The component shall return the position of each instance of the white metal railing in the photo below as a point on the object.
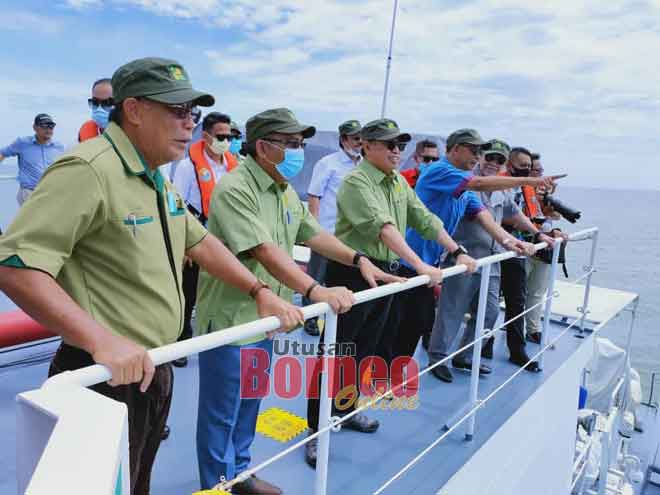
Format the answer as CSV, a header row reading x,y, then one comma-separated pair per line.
x,y
97,373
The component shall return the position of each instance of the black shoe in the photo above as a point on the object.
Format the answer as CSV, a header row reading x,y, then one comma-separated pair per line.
x,y
534,338
255,486
361,423
522,359
166,433
487,349
312,327
181,362
425,341
310,452
442,373
460,364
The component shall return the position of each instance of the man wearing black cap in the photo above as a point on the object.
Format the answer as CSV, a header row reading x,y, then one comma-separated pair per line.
x,y
35,154
259,217
102,267
329,172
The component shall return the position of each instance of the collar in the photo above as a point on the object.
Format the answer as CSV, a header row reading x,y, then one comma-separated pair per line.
x,y
263,180
373,172
211,160
35,141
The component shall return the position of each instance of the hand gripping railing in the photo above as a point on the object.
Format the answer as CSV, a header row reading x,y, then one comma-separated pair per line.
x,y
97,373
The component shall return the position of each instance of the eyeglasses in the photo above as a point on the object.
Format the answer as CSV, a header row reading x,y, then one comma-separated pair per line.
x,y
494,157
108,103
293,144
47,126
223,137
391,145
429,159
474,149
183,111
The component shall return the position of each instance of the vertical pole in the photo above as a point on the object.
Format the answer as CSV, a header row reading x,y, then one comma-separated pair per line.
x,y
476,350
587,288
548,302
388,65
323,451
626,375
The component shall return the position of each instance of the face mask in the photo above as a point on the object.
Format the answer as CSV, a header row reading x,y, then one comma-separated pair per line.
x,y
519,172
219,147
100,115
292,164
235,146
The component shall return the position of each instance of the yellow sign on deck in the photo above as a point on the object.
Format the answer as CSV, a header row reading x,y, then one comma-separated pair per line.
x,y
280,425
213,491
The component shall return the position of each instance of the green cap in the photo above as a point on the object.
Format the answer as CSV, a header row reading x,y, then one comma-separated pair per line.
x,y
158,79
279,120
498,147
383,130
465,136
349,128
234,127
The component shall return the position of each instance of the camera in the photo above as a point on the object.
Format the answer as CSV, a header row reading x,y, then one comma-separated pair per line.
x,y
565,211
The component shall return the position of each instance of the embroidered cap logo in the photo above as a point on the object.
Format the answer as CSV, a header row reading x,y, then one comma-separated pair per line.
x,y
177,73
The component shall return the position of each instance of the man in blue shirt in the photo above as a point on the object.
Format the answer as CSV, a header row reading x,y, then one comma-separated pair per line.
x,y
446,188
35,154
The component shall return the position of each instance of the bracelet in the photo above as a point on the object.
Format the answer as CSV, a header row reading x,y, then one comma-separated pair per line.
x,y
309,290
258,285
356,258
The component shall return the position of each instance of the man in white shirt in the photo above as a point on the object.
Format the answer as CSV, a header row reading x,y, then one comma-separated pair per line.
x,y
194,178
329,172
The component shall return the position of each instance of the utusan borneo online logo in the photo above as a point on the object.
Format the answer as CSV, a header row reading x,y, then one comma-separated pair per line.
x,y
297,371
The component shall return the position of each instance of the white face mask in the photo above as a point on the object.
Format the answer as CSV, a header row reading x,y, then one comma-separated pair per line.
x,y
219,147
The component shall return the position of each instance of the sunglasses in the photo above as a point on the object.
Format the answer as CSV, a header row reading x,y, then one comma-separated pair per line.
x,y
46,126
391,145
196,115
429,159
223,137
183,111
291,145
474,149
108,103
494,157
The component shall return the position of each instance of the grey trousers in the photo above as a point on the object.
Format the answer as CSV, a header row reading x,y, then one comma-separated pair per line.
x,y
460,295
316,269
537,285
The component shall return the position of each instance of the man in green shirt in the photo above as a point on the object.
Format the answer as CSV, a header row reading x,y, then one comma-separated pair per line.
x,y
375,205
101,267
259,216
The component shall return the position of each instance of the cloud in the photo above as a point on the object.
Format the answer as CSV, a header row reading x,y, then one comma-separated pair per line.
x,y
29,22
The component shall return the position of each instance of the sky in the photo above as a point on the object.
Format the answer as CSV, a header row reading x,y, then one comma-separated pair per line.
x,y
575,81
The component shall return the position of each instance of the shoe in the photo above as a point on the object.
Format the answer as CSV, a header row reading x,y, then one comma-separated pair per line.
x,y
255,486
487,349
166,433
311,448
442,373
425,341
181,362
522,359
361,423
467,365
534,338
311,327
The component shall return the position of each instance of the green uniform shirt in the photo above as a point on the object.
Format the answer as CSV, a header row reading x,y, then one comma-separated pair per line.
x,y
96,224
248,209
368,199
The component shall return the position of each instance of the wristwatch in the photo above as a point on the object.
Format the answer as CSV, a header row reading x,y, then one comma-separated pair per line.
x,y
258,285
461,250
356,258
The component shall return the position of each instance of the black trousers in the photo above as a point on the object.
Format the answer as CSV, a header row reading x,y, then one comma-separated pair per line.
x,y
365,325
416,310
147,412
189,283
514,288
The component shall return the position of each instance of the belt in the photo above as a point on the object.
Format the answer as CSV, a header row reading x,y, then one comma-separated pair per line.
x,y
388,266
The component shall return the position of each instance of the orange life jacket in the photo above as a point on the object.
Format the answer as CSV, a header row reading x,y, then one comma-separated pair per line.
x,y
204,173
532,207
88,130
411,175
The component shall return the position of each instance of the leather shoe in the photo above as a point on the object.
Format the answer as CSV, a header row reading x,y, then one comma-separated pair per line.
x,y
460,364
534,338
311,327
522,359
361,423
181,362
255,486
442,373
311,448
487,349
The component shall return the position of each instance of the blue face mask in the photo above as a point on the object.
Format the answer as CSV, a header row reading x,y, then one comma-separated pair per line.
x,y
292,164
235,146
100,115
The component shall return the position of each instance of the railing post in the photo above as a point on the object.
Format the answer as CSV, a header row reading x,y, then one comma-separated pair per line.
x,y
476,350
325,410
587,288
626,376
549,296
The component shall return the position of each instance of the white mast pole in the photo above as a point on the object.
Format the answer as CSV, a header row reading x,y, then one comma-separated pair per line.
x,y
389,61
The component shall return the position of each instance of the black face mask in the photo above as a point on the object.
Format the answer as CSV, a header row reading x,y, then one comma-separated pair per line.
x,y
519,172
